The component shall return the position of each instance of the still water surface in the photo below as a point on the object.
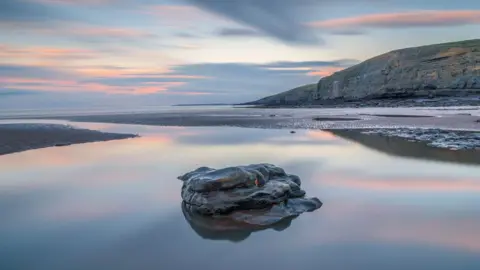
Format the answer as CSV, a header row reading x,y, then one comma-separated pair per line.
x,y
117,205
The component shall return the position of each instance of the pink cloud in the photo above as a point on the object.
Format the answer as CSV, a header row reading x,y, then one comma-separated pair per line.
x,y
43,55
38,84
402,20
97,31
324,72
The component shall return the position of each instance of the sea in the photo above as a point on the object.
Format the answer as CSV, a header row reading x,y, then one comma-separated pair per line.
x,y
387,204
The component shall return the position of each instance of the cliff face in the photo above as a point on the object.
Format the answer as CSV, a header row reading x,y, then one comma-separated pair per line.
x,y
442,69
299,95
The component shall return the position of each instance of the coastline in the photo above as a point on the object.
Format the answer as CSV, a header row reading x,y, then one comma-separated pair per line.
x,y
22,137
407,102
454,128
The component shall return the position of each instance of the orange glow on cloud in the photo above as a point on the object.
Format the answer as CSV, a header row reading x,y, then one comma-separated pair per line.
x,y
110,32
44,56
406,19
324,72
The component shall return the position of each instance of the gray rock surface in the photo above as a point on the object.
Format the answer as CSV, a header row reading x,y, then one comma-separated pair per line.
x,y
237,191
448,69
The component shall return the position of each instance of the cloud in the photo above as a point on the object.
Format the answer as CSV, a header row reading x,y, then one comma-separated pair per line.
x,y
8,92
278,19
286,64
186,35
44,53
204,82
425,18
77,2
25,71
182,15
24,10
324,72
347,32
238,32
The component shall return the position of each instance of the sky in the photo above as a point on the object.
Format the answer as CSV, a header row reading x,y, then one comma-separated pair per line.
x,y
81,53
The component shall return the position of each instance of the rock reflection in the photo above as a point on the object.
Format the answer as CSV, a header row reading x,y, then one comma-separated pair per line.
x,y
227,228
403,148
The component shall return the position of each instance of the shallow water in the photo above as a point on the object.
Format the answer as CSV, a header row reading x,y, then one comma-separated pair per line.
x,y
117,205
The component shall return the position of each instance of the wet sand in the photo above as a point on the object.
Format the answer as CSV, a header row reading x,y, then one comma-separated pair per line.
x,y
294,119
453,119
22,137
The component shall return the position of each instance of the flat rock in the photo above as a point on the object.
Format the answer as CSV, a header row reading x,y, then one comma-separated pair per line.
x,y
258,194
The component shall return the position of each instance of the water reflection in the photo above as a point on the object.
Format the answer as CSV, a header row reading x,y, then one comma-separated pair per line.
x,y
116,205
403,148
225,228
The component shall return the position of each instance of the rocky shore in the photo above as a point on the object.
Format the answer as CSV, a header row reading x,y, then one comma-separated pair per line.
x,y
471,99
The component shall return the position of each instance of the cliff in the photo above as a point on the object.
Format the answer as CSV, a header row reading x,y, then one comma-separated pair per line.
x,y
441,69
299,95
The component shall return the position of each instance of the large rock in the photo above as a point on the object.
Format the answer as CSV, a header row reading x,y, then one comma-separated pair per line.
x,y
231,191
447,69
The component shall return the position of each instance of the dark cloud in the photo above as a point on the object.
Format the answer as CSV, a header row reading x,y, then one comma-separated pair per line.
x,y
13,10
24,10
238,32
347,32
278,19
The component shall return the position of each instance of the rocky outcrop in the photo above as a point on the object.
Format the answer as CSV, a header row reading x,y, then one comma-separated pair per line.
x,y
448,69
228,192
299,95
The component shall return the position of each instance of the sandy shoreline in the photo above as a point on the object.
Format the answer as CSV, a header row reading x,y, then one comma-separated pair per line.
x,y
459,121
22,137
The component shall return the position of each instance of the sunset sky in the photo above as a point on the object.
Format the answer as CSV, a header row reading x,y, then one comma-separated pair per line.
x,y
61,53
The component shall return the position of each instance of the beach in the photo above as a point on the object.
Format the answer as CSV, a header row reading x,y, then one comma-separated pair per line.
x,y
462,123
22,137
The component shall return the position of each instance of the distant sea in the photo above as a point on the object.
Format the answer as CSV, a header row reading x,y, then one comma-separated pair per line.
x,y
5,113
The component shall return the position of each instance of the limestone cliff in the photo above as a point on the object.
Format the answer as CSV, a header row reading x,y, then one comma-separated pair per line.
x,y
302,94
441,69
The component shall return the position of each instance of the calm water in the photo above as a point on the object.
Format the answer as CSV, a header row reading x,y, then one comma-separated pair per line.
x,y
117,205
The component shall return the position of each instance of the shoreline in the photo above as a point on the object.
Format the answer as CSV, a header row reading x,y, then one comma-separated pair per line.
x,y
446,128
15,138
406,102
